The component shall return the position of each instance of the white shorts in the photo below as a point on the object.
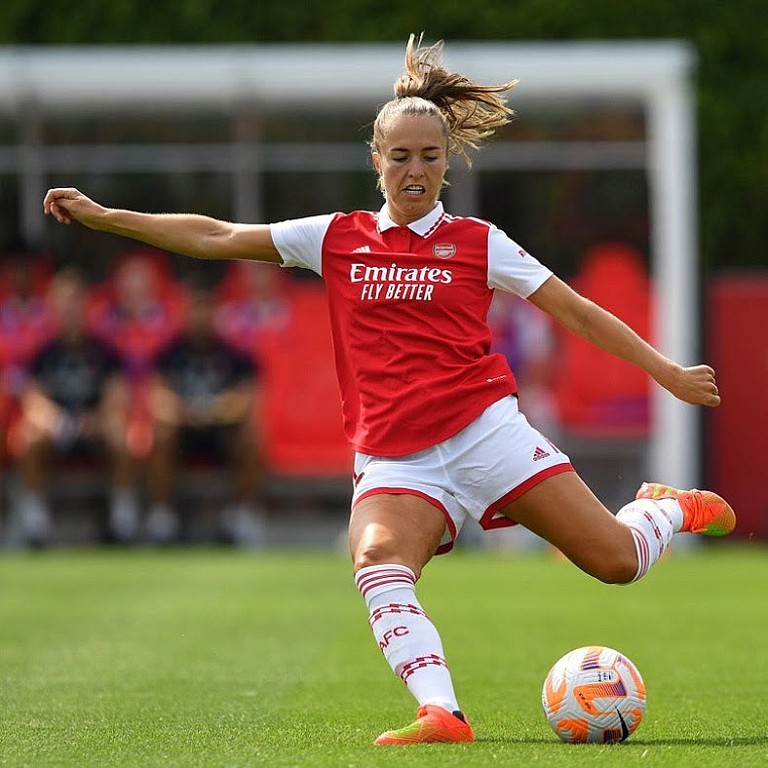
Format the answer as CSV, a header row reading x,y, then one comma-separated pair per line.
x,y
477,472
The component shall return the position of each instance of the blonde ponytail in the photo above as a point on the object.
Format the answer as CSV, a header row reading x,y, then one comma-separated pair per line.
x,y
470,113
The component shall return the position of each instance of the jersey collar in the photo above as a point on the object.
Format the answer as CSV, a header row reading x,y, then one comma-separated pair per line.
x,y
422,227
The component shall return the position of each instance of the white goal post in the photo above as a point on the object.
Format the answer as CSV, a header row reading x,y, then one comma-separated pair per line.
x,y
37,81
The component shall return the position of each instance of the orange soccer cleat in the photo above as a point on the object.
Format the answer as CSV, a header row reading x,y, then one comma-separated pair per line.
x,y
432,724
703,511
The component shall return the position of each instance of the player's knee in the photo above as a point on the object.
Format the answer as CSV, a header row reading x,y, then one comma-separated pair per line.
x,y
618,568
34,440
377,553
384,553
164,436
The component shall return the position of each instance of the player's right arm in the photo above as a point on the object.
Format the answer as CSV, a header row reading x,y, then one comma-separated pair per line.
x,y
190,234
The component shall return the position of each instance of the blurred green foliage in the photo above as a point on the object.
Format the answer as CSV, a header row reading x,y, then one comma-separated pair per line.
x,y
731,39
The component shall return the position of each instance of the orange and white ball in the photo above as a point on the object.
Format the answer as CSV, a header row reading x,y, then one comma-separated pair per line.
x,y
594,694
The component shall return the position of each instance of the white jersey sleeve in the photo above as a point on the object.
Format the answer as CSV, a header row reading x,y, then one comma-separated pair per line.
x,y
300,241
511,268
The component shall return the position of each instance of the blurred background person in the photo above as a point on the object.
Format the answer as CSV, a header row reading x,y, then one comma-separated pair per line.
x,y
138,312
252,308
203,402
527,338
25,326
73,404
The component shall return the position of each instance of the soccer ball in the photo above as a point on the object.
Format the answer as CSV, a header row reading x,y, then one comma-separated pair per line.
x,y
593,694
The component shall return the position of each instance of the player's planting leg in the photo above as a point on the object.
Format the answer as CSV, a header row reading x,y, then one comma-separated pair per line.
x,y
659,511
412,646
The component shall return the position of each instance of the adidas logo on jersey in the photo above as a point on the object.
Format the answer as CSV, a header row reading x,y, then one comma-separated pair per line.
x,y
362,249
539,454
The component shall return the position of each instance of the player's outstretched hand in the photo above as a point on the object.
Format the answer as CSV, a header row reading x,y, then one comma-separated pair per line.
x,y
67,204
695,385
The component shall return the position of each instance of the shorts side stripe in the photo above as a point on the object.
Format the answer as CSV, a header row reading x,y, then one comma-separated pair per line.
x,y
415,492
487,521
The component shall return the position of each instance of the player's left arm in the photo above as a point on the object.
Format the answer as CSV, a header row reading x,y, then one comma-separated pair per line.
x,y
695,384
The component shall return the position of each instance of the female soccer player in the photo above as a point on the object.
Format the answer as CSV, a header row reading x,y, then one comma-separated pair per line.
x,y
431,414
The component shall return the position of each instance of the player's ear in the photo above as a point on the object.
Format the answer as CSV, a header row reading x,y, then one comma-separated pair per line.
x,y
376,160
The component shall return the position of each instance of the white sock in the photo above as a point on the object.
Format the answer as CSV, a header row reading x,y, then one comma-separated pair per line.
x,y
162,524
405,634
652,524
124,512
33,518
246,525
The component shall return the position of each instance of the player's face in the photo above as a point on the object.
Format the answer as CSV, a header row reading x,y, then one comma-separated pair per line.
x,y
411,162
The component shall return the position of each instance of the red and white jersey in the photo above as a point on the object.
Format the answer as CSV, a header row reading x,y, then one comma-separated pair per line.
x,y
408,308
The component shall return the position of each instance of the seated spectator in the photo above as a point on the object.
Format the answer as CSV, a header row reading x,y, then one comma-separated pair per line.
x,y
203,401
25,326
138,312
525,336
74,403
251,307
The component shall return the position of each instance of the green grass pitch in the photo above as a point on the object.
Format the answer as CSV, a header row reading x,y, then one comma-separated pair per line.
x,y
215,658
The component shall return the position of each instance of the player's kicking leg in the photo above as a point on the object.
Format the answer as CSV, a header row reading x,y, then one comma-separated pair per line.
x,y
702,511
621,548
